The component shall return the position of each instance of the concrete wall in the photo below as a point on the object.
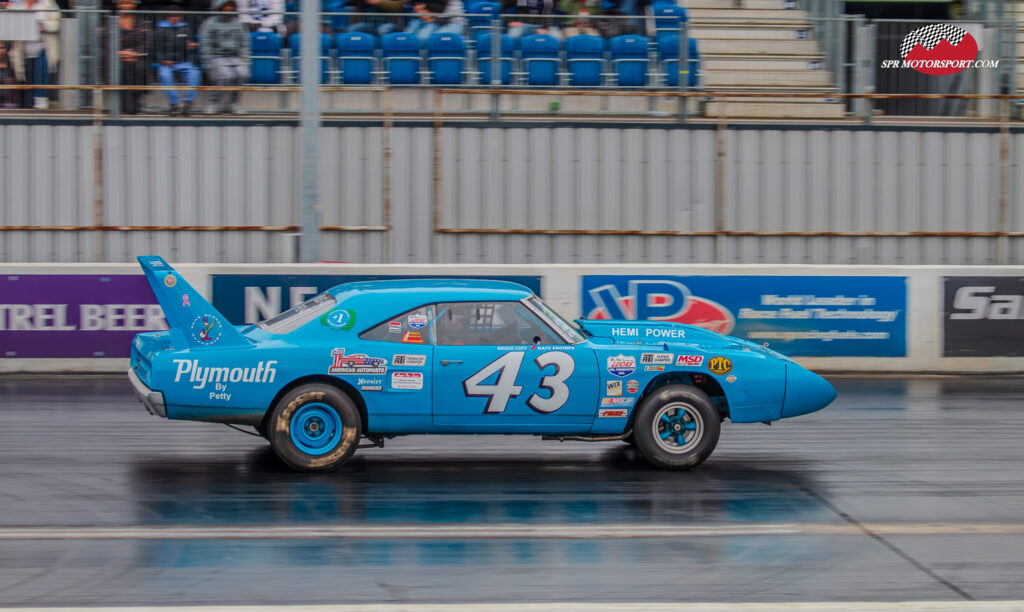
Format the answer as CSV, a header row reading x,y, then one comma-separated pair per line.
x,y
561,287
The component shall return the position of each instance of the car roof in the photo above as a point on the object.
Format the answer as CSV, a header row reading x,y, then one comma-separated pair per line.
x,y
396,296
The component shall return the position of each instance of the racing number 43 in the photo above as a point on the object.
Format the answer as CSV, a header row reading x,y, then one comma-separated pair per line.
x,y
505,387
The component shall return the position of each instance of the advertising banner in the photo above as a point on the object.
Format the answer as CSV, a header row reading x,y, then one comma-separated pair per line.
x,y
808,316
984,316
248,298
74,315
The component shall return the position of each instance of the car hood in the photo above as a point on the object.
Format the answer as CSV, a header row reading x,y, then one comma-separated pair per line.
x,y
666,332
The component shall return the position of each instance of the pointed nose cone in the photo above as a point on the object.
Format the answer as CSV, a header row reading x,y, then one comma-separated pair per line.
x,y
805,392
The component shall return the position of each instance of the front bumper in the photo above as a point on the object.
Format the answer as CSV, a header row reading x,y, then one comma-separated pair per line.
x,y
152,400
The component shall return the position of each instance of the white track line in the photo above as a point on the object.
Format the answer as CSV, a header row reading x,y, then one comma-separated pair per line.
x,y
916,606
471,531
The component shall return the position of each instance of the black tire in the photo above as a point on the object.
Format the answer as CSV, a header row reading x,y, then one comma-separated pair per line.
x,y
630,440
332,428
685,409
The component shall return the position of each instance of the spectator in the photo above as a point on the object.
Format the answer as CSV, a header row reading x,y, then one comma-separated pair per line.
x,y
427,24
175,54
377,25
263,15
134,53
8,99
581,24
224,47
32,59
541,24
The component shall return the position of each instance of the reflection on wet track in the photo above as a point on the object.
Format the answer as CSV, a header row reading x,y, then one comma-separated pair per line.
x,y
905,489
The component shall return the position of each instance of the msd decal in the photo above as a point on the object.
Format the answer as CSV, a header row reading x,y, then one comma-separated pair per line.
x,y
653,300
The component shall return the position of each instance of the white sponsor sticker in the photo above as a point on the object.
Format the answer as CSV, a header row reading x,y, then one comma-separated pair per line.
x,y
617,401
690,360
407,380
605,413
409,360
613,387
656,358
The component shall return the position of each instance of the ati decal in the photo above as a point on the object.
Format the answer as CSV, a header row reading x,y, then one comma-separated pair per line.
x,y
417,321
394,327
616,401
407,380
632,386
199,376
613,387
409,360
356,364
341,319
654,368
621,365
656,300
412,337
720,365
690,360
605,413
170,280
206,329
656,358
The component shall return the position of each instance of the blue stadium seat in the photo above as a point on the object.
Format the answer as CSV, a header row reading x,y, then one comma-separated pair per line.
x,y
266,58
446,57
486,12
401,53
506,53
539,54
667,19
356,57
294,43
668,52
584,56
629,59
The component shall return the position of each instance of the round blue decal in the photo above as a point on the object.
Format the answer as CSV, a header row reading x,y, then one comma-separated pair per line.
x,y
206,329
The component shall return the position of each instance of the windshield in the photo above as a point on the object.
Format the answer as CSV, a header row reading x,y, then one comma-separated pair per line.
x,y
290,320
568,329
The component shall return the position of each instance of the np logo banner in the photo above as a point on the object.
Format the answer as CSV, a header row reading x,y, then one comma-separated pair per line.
x,y
808,316
249,298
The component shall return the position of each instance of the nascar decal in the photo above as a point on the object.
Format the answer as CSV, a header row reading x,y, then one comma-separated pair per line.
x,y
617,401
720,365
605,413
341,319
409,360
690,360
356,364
407,380
219,377
656,358
613,387
206,329
621,365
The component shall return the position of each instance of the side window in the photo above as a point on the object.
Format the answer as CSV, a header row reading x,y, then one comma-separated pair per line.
x,y
485,323
412,327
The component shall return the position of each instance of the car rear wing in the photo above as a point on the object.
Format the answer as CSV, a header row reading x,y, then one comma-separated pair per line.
x,y
186,310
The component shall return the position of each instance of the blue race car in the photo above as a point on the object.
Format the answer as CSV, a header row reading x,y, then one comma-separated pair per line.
x,y
387,358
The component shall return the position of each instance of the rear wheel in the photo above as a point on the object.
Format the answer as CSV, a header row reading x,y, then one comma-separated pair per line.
x,y
677,427
315,428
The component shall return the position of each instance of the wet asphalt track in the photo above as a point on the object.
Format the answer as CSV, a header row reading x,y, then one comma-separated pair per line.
x,y
905,489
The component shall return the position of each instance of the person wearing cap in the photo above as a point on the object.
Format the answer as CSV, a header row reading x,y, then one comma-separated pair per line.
x,y
175,49
224,50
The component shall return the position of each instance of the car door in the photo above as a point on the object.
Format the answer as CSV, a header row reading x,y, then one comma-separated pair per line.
x,y
498,367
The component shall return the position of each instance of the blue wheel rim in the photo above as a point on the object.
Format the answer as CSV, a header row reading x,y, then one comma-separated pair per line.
x,y
315,429
678,427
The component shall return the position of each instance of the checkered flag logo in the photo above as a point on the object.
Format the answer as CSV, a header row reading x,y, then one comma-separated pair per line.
x,y
931,35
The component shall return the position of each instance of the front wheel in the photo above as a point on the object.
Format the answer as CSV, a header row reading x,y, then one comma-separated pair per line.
x,y
677,427
315,428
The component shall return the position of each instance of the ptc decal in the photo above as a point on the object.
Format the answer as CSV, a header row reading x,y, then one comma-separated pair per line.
x,y
206,329
621,365
720,365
